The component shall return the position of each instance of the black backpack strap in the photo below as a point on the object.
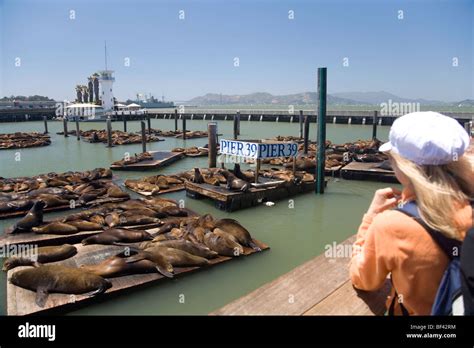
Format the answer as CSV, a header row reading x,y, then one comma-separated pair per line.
x,y
467,271
391,309
448,245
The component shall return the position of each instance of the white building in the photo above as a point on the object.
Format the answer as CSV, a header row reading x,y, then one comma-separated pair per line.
x,y
106,83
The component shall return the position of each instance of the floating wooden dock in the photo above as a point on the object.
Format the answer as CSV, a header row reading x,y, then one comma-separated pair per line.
x,y
42,239
320,286
269,190
18,213
367,171
161,192
22,301
160,159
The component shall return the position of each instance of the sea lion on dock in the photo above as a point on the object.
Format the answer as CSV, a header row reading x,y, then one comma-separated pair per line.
x,y
234,228
198,178
56,227
234,183
116,266
98,219
115,192
52,200
112,219
176,257
117,236
194,249
43,255
137,220
83,225
221,245
32,219
241,175
58,279
173,211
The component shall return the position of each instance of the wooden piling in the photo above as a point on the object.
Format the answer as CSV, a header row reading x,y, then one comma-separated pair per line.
x,y
306,133
78,130
109,132
143,136
175,120
236,132
65,126
238,122
301,124
184,126
149,123
374,125
321,154
124,122
212,141
45,120
257,169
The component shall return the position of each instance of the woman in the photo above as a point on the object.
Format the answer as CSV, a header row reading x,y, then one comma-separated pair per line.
x,y
427,153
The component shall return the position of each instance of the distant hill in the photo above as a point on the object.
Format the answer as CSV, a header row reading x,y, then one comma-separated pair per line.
x,y
466,102
376,98
24,98
261,98
343,98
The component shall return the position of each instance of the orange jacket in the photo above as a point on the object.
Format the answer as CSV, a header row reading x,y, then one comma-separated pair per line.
x,y
392,242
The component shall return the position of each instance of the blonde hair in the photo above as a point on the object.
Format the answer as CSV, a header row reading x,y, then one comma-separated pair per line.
x,y
439,189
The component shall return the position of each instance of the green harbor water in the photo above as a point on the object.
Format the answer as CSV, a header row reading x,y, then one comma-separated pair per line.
x,y
294,235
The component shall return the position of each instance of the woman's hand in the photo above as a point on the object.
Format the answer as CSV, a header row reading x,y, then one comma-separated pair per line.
x,y
384,199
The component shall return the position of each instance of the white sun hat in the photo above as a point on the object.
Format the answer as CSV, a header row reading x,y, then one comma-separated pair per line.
x,y
427,138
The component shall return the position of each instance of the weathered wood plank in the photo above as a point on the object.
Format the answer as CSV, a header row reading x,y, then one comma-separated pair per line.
x,y
367,171
347,300
296,292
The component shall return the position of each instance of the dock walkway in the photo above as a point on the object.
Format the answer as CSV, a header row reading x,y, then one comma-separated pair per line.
x,y
320,286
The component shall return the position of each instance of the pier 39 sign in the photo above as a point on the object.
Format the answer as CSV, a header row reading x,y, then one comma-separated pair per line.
x,y
257,150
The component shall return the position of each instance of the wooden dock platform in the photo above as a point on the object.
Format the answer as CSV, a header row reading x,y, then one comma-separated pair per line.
x,y
234,200
160,159
42,239
22,301
13,214
320,286
367,171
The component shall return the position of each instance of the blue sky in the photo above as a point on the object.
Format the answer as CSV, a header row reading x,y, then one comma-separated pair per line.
x,y
411,57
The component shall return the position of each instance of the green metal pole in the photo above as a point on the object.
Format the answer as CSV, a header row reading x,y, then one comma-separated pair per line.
x,y
321,130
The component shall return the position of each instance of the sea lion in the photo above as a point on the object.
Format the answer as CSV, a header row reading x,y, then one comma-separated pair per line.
x,y
234,183
43,255
117,236
32,219
173,211
98,219
244,176
52,200
234,228
115,192
231,239
56,227
117,265
61,279
177,257
112,219
137,220
161,262
158,202
143,211
198,178
223,246
194,249
83,225
166,228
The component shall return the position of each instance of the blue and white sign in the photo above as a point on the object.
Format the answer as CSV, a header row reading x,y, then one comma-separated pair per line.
x,y
256,150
